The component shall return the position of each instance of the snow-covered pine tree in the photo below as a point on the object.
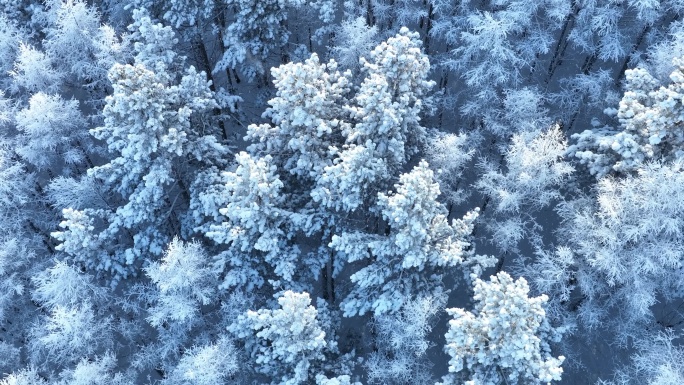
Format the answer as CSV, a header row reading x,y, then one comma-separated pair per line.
x,y
153,127
287,343
649,116
504,340
250,218
385,129
419,248
308,114
257,30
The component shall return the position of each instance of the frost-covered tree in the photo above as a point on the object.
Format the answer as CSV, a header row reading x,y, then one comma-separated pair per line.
x,y
660,55
492,46
185,282
258,29
10,36
183,13
354,39
206,365
323,147
649,116
251,219
585,92
29,14
70,333
74,40
385,130
24,377
339,380
52,130
285,344
657,361
392,15
35,71
16,243
505,340
15,259
11,357
98,371
390,99
600,27
153,129
63,285
16,186
81,193
19,251
178,303
626,246
448,154
419,247
535,170
522,109
401,343
308,114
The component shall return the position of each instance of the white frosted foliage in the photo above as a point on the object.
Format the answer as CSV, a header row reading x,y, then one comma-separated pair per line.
x,y
252,222
354,39
628,244
384,130
650,116
339,380
307,112
184,280
420,246
283,342
24,377
255,32
74,39
14,257
35,71
63,285
505,338
97,371
448,155
150,126
535,170
71,333
345,184
205,365
50,126
402,341
389,100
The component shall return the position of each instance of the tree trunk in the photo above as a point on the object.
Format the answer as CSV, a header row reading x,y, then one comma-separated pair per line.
x,y
206,63
635,47
327,275
562,42
428,28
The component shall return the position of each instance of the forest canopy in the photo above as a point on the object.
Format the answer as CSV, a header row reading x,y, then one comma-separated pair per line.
x,y
341,192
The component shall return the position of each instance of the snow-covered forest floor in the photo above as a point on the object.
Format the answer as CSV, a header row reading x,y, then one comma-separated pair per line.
x,y
341,192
